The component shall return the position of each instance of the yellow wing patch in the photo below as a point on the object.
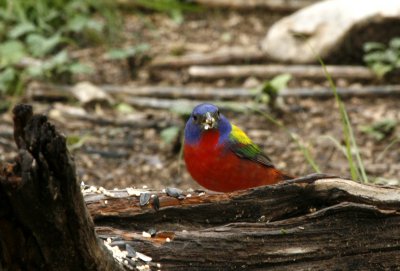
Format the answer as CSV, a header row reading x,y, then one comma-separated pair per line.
x,y
240,136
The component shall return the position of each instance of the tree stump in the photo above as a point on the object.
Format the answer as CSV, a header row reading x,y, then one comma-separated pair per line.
x,y
44,224
316,222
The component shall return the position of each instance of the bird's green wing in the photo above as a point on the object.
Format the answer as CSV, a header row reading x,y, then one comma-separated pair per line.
x,y
243,147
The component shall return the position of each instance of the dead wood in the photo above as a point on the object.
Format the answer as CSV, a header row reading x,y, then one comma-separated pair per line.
x,y
267,71
227,56
276,5
309,224
44,224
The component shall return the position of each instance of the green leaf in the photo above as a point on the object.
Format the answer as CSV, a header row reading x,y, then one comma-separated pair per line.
x,y
35,71
395,43
280,82
21,29
40,46
7,78
79,68
380,129
11,52
168,135
391,56
75,142
377,56
77,23
380,69
372,46
95,25
122,53
125,108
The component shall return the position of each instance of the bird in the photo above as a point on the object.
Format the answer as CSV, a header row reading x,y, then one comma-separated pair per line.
x,y
221,157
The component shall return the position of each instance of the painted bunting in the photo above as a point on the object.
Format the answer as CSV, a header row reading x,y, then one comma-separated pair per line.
x,y
221,157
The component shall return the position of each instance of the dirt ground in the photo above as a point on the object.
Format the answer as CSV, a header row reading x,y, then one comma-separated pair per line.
x,y
117,155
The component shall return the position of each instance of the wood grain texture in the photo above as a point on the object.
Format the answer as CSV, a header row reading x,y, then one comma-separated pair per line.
x,y
308,224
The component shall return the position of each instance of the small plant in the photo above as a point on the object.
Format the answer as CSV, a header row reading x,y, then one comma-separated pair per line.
x,y
269,90
382,58
34,35
380,129
352,152
293,136
175,8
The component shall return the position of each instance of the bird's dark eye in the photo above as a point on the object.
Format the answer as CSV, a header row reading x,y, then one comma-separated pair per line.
x,y
218,113
195,117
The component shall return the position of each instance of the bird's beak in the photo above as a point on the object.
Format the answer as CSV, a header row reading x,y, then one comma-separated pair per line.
x,y
209,121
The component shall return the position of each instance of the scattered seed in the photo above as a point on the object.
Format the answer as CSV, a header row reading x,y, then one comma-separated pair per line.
x,y
133,192
146,234
152,232
143,257
156,202
131,251
105,202
118,243
174,192
301,228
168,240
144,199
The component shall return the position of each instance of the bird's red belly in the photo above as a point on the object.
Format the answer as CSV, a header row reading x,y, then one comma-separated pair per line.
x,y
219,169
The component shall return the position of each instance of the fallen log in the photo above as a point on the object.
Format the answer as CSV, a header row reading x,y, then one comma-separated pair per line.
x,y
316,222
315,72
226,56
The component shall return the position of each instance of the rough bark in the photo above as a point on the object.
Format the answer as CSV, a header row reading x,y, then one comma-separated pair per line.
x,y
314,223
44,224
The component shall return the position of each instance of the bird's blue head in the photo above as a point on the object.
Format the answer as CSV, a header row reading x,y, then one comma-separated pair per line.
x,y
205,118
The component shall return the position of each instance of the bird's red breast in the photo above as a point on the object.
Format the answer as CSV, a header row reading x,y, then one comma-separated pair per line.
x,y
214,166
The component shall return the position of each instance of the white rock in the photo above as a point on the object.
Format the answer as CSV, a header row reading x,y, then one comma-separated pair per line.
x,y
86,92
323,26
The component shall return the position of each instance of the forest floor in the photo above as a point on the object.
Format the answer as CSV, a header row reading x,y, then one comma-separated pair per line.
x,y
117,153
